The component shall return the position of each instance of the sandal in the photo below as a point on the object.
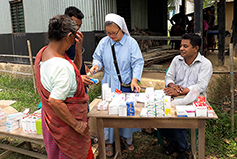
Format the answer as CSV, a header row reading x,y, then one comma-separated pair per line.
x,y
127,146
109,150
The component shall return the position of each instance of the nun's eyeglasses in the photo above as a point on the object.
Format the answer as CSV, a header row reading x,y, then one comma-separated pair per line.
x,y
113,34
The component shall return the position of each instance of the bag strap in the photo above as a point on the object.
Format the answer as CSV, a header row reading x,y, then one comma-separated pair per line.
x,y
116,64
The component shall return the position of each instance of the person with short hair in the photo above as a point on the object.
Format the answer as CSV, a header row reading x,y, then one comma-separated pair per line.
x,y
130,65
64,101
77,15
188,71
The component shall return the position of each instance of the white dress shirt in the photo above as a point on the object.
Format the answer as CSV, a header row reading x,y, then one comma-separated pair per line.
x,y
194,76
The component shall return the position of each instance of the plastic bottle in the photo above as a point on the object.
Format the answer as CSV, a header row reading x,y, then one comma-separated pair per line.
x,y
94,80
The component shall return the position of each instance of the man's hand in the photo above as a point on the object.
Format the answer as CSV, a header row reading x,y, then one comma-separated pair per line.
x,y
178,88
171,92
79,42
135,85
86,80
86,69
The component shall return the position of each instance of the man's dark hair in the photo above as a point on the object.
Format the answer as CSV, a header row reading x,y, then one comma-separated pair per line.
x,y
74,11
195,39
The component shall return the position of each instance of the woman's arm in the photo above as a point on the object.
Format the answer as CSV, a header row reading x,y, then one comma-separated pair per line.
x,y
63,113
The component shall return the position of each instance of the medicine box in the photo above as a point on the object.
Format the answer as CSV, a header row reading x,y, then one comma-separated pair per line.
x,y
210,111
185,111
143,112
39,126
113,108
201,109
122,110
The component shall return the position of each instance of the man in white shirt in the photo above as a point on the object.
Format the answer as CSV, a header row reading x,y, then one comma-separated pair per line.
x,y
188,71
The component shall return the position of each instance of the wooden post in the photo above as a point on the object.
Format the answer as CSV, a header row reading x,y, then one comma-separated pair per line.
x,y
221,40
31,63
232,86
216,14
198,20
234,34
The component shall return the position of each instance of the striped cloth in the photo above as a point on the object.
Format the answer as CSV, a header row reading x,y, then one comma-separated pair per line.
x,y
61,140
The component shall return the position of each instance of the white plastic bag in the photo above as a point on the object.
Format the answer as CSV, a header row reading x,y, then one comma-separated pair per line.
x,y
189,98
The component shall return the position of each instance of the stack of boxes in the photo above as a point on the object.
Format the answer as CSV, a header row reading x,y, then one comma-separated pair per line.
x,y
202,109
13,121
32,123
198,109
157,104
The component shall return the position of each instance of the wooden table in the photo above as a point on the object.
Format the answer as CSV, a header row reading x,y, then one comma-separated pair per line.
x,y
103,120
27,139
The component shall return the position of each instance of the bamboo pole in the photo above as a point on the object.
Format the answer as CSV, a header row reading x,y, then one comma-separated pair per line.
x,y
31,63
232,86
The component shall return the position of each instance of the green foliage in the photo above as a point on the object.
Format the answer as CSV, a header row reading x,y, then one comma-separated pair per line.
x,y
220,140
94,92
22,91
207,3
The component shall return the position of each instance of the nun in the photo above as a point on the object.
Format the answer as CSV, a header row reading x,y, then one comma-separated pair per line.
x,y
123,63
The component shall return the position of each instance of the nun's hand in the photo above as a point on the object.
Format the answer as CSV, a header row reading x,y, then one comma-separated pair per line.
x,y
134,85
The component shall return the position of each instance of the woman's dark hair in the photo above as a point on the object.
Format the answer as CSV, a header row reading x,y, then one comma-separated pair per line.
x,y
74,11
195,39
60,26
107,23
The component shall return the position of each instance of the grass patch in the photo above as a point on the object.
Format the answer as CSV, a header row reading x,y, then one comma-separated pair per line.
x,y
220,140
22,91
94,91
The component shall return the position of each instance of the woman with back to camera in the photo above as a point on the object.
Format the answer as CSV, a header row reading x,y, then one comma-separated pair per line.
x,y
130,65
64,101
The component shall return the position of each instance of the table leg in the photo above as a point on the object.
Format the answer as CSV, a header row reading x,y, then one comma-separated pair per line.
x,y
101,138
193,142
201,139
117,142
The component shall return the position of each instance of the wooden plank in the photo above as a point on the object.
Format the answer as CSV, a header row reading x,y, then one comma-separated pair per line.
x,y
22,151
117,142
158,37
151,122
193,142
201,139
101,138
8,152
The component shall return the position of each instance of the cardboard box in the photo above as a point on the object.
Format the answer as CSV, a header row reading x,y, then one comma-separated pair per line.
x,y
122,110
201,109
143,112
210,111
185,111
113,108
39,126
